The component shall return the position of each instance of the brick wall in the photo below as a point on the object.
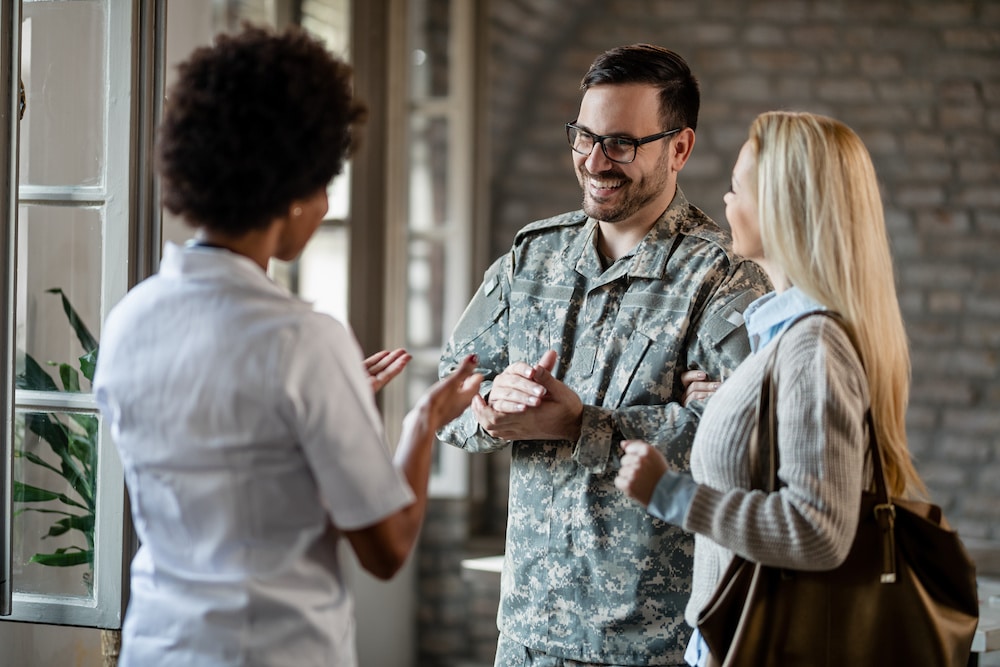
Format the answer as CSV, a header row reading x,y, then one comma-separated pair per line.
x,y
919,80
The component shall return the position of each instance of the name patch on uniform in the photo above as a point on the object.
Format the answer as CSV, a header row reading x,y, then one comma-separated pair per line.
x,y
735,317
490,285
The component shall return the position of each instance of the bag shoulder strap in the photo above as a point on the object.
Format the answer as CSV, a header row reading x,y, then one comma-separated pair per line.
x,y
764,475
764,442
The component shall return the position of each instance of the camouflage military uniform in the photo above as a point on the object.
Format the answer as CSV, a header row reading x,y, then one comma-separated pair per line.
x,y
588,575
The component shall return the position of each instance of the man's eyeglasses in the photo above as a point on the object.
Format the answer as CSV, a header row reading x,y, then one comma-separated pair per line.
x,y
617,149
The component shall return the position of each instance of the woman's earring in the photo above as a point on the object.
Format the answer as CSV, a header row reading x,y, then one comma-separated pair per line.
x,y
297,211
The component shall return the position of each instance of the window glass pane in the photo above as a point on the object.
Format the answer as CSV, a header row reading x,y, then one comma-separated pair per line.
x,y
425,294
323,269
430,24
55,479
229,15
338,195
63,129
330,21
321,273
428,173
60,249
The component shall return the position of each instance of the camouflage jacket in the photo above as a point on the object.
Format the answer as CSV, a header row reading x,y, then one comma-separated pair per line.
x,y
588,575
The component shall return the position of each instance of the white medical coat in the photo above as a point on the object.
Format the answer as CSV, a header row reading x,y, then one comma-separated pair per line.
x,y
249,437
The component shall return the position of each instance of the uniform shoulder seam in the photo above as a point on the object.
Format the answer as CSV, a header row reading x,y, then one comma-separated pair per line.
x,y
571,219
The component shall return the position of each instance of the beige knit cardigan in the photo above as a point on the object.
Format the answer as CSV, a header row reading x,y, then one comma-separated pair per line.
x,y
809,524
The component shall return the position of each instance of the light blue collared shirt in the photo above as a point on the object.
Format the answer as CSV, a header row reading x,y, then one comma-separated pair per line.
x,y
771,314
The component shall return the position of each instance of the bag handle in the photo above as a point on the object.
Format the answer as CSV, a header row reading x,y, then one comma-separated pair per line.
x,y
764,473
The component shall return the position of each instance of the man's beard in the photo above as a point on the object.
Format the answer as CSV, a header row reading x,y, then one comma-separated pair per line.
x,y
634,196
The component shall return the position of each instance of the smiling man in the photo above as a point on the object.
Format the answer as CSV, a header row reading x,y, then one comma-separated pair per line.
x,y
583,331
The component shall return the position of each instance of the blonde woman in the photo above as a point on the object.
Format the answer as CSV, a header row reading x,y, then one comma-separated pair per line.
x,y
804,204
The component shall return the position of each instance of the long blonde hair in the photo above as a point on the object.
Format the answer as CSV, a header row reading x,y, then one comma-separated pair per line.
x,y
821,221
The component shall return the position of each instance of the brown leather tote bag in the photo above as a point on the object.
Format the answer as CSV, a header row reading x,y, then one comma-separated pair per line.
x,y
906,595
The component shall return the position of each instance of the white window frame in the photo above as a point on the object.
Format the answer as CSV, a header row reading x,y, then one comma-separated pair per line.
x,y
452,474
129,245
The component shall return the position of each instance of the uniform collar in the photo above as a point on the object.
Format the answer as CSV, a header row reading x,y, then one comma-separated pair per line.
x,y
648,259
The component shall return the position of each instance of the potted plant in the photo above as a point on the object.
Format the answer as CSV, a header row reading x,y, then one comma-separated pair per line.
x,y
71,442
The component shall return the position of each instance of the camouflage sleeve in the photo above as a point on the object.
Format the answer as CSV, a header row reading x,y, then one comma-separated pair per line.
x,y
481,330
669,427
721,343
717,345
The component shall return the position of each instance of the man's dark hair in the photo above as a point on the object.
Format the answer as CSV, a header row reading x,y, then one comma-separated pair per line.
x,y
254,122
655,65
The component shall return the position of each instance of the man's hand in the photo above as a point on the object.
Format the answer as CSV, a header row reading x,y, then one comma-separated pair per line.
x,y
385,365
642,468
516,389
697,386
528,403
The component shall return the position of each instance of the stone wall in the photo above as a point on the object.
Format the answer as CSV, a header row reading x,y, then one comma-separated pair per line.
x,y
919,80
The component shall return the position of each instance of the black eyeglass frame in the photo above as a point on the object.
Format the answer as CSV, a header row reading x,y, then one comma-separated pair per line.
x,y
599,139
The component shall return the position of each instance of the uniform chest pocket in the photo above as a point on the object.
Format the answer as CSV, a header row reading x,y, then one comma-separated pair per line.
x,y
657,327
481,316
662,319
538,313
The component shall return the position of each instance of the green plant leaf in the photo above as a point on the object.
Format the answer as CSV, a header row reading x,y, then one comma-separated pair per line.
x,y
81,447
88,363
38,461
73,441
84,523
83,334
65,558
72,522
58,437
57,529
90,424
70,378
41,510
34,376
25,493
49,429
78,481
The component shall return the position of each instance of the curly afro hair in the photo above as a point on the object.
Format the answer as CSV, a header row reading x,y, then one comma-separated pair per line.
x,y
253,122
